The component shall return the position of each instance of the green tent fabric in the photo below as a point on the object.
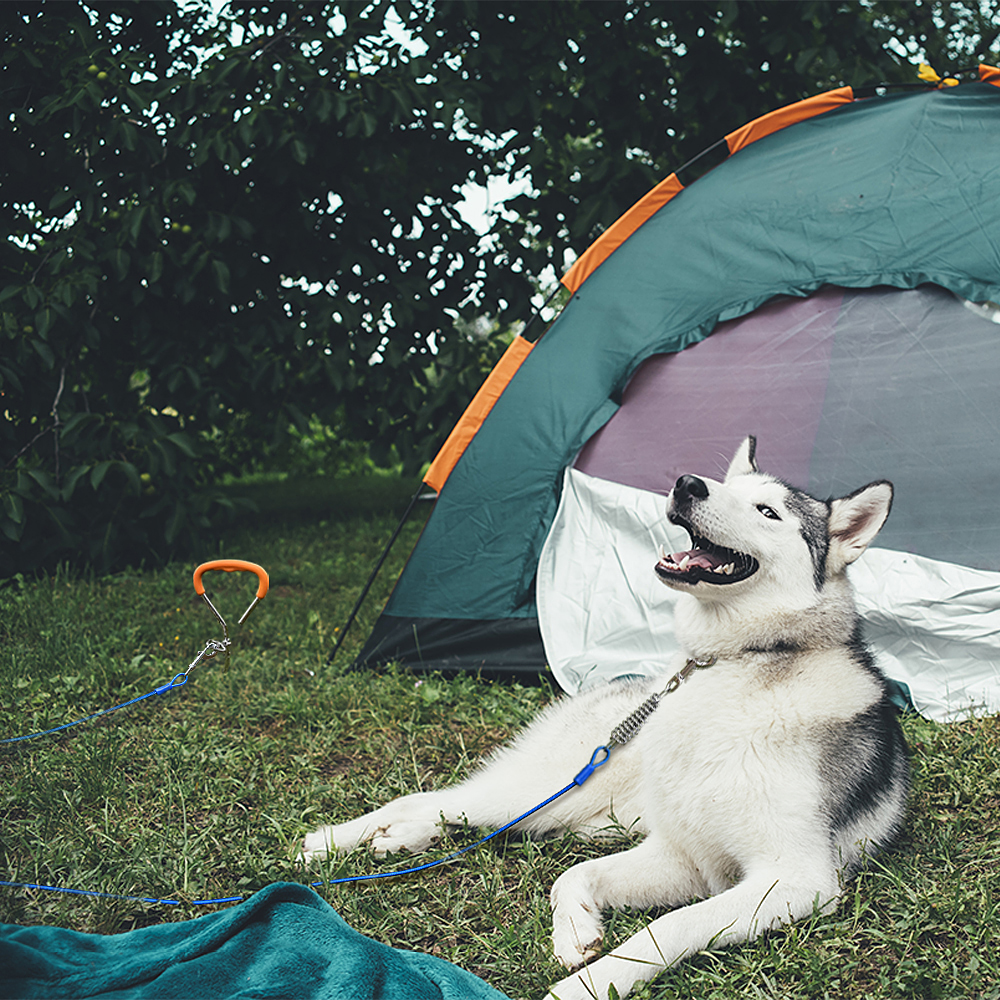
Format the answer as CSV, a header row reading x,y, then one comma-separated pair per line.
x,y
285,941
897,191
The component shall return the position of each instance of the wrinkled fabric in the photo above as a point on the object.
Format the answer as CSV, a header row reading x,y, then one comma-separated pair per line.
x,y
933,626
285,941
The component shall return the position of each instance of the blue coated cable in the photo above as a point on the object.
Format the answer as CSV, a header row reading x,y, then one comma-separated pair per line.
x,y
178,681
599,756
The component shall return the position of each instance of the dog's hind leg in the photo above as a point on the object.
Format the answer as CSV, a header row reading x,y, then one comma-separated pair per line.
x,y
761,902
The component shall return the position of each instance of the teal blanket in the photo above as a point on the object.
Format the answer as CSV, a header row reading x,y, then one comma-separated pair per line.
x,y
283,942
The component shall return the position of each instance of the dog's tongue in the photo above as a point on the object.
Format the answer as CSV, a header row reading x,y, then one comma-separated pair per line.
x,y
696,558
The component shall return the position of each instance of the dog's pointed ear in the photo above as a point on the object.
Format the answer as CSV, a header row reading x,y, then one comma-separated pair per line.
x,y
743,462
854,521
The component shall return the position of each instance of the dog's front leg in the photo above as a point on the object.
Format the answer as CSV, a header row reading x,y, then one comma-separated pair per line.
x,y
511,784
648,875
516,779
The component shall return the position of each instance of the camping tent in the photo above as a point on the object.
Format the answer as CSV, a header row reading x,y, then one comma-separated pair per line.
x,y
836,257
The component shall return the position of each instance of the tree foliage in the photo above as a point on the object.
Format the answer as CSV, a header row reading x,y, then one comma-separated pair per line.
x,y
219,226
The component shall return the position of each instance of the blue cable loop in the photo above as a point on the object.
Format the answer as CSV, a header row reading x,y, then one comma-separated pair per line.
x,y
593,765
177,681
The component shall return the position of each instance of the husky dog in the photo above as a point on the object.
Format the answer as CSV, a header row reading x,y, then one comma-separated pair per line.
x,y
762,781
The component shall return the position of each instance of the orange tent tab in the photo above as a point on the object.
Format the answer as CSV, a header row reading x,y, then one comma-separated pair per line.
x,y
616,234
783,117
989,74
476,412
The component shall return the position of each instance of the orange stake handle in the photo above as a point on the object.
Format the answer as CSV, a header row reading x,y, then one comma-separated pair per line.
x,y
232,566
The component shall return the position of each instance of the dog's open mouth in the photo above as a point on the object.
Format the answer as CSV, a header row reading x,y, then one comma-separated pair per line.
x,y
705,562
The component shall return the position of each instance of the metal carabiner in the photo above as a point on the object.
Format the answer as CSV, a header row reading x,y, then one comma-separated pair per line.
x,y
214,647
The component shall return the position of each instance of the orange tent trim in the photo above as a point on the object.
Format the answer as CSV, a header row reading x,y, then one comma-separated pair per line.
x,y
608,242
989,74
616,234
476,412
783,117
602,248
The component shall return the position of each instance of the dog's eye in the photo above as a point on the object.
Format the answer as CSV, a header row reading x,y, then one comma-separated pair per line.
x,y
768,512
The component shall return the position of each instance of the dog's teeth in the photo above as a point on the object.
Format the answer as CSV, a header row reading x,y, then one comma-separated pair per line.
x,y
684,562
663,553
728,569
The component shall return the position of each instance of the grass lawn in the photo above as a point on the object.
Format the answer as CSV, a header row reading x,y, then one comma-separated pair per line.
x,y
206,791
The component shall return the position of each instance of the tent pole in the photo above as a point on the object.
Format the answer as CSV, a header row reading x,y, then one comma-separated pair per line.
x,y
538,312
374,573
402,521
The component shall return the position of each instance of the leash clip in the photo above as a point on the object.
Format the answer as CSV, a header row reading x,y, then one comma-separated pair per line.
x,y
685,672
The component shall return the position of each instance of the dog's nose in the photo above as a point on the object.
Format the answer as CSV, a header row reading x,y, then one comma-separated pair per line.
x,y
688,487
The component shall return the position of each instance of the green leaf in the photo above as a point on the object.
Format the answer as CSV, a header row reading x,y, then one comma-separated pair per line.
x,y
135,218
128,134
43,322
176,523
120,260
46,482
324,106
169,465
69,483
155,267
8,376
136,99
14,506
132,474
183,442
98,472
74,422
44,352
60,198
11,529
221,272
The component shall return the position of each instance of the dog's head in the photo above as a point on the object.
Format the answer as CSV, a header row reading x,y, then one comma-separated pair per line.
x,y
753,531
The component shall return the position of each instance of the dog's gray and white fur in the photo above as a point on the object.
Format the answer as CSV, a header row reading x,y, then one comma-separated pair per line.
x,y
761,783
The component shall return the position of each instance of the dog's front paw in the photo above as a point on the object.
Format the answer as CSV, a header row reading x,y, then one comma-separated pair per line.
x,y
412,836
577,940
317,845
340,838
575,952
577,928
383,836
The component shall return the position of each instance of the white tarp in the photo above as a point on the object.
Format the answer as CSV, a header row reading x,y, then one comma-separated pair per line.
x,y
603,613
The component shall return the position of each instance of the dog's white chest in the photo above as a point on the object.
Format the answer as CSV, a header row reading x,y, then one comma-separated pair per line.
x,y
719,760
